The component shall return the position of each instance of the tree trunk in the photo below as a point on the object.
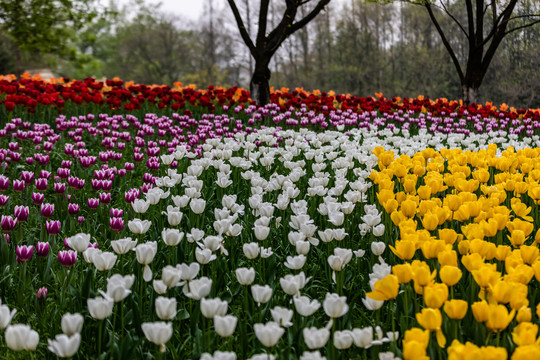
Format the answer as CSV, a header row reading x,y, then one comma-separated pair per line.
x,y
470,93
259,86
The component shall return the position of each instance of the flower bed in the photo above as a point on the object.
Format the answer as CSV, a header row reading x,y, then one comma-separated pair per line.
x,y
339,234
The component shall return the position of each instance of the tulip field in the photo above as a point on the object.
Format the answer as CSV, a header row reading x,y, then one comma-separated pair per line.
x,y
157,222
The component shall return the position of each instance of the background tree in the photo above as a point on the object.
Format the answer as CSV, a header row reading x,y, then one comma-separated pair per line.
x,y
43,26
266,44
485,25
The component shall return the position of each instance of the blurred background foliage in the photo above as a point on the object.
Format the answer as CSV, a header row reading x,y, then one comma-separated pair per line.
x,y
354,46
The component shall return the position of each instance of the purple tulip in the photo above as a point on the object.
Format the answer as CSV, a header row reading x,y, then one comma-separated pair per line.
x,y
105,198
37,198
44,174
3,199
116,212
59,188
24,253
93,203
21,213
73,209
42,249
52,227
27,177
18,185
80,219
117,224
67,258
8,223
47,210
4,183
41,184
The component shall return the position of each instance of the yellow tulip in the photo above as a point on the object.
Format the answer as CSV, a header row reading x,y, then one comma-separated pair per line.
x,y
424,192
486,275
384,195
525,334
501,291
521,210
536,268
482,175
422,274
499,317
480,310
453,202
435,295
430,249
408,208
430,221
450,275
522,274
472,261
464,246
524,314
519,296
518,224
526,352
447,257
456,309
431,320
390,205
403,272
385,289
414,350
517,237
404,249
449,236
529,254
502,252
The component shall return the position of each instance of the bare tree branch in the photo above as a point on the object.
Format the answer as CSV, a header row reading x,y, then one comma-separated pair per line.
x,y
522,27
303,22
445,40
241,27
454,19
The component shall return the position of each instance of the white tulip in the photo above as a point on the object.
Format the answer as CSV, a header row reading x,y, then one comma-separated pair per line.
x,y
138,226
261,294
140,206
225,325
315,338
245,276
100,308
6,315
172,237
195,235
158,333
174,215
343,339
204,256
295,262
72,323
282,316
123,246
159,287
180,201
377,247
251,250
363,338
20,337
79,242
213,307
197,289
188,272
304,306
269,333
335,306
263,357
64,346
104,261
165,308
311,355
197,205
